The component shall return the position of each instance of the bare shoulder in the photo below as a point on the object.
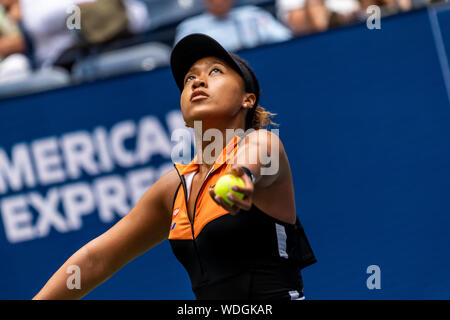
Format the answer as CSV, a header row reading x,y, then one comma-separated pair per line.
x,y
274,193
166,187
269,146
264,138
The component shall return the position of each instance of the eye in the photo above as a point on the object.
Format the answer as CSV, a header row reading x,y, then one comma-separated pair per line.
x,y
187,79
216,69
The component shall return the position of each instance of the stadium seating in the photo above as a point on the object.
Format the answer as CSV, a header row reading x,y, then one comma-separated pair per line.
x,y
142,57
45,79
146,51
169,12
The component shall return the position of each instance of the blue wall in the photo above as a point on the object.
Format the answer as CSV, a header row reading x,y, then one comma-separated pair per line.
x,y
364,116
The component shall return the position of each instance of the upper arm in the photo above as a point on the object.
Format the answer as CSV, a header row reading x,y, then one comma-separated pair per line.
x,y
146,225
263,153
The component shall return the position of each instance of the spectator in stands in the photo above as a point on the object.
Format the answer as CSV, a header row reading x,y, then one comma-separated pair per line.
x,y
234,28
309,16
13,62
45,21
388,6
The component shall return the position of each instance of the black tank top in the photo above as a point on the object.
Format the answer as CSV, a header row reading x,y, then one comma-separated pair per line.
x,y
250,255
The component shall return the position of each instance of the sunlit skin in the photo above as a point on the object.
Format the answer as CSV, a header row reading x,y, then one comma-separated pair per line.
x,y
7,3
313,17
148,223
224,108
12,43
218,8
12,7
391,4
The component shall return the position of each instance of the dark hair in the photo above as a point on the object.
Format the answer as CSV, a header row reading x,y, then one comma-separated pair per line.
x,y
257,117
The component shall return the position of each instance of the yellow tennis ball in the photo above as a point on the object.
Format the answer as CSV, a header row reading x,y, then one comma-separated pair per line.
x,y
224,185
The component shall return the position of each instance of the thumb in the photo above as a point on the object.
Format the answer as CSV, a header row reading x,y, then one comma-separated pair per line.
x,y
237,171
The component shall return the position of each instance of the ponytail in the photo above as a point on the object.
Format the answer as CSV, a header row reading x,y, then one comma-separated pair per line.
x,y
258,118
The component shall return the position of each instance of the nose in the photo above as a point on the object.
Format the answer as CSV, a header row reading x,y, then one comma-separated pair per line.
x,y
199,82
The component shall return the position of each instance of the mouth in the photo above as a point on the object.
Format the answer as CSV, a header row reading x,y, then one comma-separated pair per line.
x,y
199,95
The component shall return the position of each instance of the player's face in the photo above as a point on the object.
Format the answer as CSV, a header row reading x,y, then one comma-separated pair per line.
x,y
223,88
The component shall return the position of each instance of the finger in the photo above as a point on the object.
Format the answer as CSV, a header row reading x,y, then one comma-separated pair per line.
x,y
237,171
245,191
213,194
222,202
248,182
218,199
233,209
248,189
245,204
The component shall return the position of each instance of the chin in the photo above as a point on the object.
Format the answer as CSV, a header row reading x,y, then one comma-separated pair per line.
x,y
210,113
190,120
201,112
207,120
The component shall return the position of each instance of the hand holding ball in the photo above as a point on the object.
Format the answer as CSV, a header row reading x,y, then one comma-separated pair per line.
x,y
225,184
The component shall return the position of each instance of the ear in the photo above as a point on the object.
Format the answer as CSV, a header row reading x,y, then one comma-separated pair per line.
x,y
249,101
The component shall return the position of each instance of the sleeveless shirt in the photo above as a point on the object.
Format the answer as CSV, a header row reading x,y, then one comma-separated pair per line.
x,y
250,255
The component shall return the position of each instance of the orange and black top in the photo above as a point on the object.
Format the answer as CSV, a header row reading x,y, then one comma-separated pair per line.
x,y
250,255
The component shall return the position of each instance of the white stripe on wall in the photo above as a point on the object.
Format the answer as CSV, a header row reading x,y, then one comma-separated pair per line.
x,y
440,47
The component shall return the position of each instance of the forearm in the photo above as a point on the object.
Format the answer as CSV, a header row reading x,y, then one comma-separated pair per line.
x,y
146,225
318,15
99,259
63,285
11,44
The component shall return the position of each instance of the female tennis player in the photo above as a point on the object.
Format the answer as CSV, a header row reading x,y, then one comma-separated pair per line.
x,y
252,249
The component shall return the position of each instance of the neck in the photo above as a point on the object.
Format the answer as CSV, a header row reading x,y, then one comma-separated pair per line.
x,y
211,140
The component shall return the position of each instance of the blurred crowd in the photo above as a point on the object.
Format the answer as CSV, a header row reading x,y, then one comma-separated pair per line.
x,y
248,26
34,34
37,34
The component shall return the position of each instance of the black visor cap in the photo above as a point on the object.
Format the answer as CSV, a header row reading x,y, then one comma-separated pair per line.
x,y
197,46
